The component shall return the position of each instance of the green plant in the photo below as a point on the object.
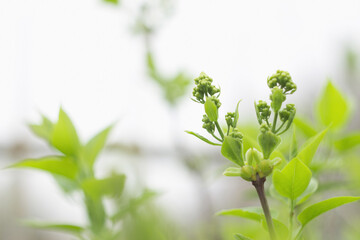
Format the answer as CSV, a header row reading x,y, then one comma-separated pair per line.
x,y
73,169
292,181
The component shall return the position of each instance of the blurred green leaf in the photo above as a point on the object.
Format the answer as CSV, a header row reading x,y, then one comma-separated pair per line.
x,y
203,138
248,213
69,228
236,118
211,110
95,145
293,179
232,150
310,190
112,186
232,172
63,166
43,130
332,107
308,150
319,208
112,1
293,145
64,136
281,230
304,127
348,142
239,236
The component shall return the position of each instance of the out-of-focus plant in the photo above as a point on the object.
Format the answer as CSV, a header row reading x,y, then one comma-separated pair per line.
x,y
292,181
73,169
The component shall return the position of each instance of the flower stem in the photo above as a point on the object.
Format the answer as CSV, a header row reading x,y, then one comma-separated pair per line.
x,y
259,186
219,129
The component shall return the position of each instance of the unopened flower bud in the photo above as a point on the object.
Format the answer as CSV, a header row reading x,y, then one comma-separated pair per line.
x,y
253,156
248,173
265,168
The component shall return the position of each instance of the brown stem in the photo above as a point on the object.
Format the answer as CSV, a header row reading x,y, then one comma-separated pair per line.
x,y
259,186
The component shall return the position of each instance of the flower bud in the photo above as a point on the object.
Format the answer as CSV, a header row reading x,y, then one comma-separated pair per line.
x,y
253,156
248,173
265,168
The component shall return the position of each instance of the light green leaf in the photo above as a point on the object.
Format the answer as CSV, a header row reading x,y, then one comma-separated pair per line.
x,y
63,166
293,145
232,150
232,172
308,150
239,236
293,179
348,142
64,136
95,145
112,1
248,213
304,127
43,130
211,110
112,186
332,107
236,119
310,190
319,208
69,228
203,138
268,142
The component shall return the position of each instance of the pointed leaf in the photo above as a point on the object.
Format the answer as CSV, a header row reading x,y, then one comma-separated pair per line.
x,y
304,127
293,179
95,145
43,130
211,110
332,107
203,138
232,172
63,166
348,142
239,236
319,208
236,119
293,145
69,228
112,186
308,150
232,150
64,136
310,190
248,213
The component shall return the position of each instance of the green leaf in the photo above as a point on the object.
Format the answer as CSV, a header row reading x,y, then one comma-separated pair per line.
x,y
304,127
232,150
281,230
332,107
211,110
232,172
310,190
43,130
112,186
64,136
236,119
319,208
63,166
239,236
293,179
69,228
293,145
203,138
309,148
95,145
112,1
268,142
248,213
348,142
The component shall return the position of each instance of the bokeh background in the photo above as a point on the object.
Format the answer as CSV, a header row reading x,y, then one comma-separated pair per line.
x,y
91,57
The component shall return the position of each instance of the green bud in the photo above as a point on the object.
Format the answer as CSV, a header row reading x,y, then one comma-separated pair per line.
x,y
282,80
276,161
208,125
232,172
204,88
230,119
265,168
262,111
277,97
237,135
268,141
248,173
253,156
